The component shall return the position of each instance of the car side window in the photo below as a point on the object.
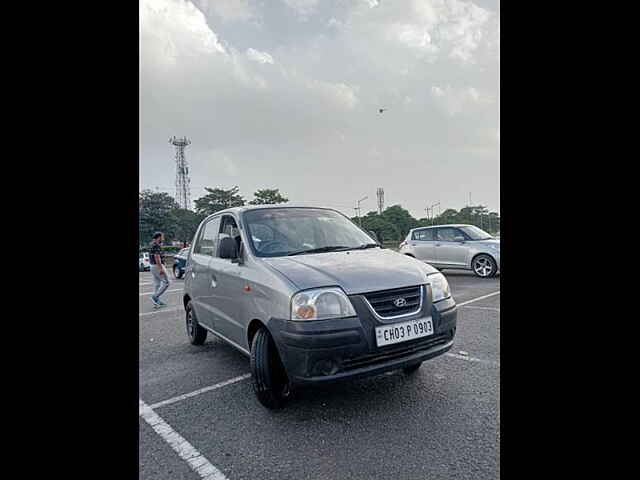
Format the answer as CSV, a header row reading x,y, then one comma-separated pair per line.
x,y
423,235
448,234
229,228
208,241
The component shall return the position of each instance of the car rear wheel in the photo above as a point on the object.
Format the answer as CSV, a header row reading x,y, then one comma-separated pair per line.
x,y
197,334
412,368
484,266
270,382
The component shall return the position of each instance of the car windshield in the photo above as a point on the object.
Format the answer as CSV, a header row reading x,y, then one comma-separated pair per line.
x,y
475,233
297,231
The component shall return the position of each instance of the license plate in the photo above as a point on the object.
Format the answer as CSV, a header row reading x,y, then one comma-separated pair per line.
x,y
403,332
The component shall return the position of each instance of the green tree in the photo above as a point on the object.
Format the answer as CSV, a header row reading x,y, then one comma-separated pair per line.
x,y
218,199
384,230
401,219
185,224
155,214
268,196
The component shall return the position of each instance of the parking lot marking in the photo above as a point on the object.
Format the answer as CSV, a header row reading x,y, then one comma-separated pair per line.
x,y
493,309
166,291
160,310
472,359
201,390
479,298
187,452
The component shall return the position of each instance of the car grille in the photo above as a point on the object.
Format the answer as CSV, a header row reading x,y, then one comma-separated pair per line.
x,y
382,302
396,351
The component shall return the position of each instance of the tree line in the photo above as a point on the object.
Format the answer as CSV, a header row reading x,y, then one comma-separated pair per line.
x,y
394,223
160,212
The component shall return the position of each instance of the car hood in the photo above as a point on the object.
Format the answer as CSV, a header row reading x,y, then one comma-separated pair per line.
x,y
356,271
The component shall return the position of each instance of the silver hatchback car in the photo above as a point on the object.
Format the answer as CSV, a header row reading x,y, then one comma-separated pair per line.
x,y
311,298
454,246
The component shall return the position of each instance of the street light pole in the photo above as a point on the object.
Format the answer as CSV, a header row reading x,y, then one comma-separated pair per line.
x,y
358,210
431,207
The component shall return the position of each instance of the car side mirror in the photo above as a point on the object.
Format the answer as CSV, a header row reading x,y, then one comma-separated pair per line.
x,y
228,248
458,239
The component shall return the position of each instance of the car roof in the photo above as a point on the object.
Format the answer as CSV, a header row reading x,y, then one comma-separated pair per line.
x,y
444,225
247,208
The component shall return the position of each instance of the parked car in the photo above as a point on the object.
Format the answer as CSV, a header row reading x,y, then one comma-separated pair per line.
x,y
180,262
311,298
454,246
144,264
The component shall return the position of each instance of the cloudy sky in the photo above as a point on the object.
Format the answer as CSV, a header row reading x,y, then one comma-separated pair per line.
x,y
285,94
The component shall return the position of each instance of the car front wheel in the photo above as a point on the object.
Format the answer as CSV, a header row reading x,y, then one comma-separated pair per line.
x,y
270,381
484,266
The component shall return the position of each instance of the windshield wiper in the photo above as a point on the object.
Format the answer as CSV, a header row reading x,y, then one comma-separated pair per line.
x,y
366,245
330,248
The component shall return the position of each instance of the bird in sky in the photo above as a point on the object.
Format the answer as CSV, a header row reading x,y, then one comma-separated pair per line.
x,y
381,110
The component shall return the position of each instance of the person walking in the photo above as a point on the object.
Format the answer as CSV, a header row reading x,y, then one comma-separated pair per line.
x,y
158,270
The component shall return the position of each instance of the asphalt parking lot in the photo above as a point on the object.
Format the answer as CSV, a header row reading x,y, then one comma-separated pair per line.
x,y
199,417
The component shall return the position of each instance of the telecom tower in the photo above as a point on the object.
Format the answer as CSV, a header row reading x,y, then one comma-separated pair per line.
x,y
380,193
183,189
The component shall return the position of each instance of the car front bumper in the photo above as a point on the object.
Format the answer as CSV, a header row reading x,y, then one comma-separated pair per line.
x,y
323,351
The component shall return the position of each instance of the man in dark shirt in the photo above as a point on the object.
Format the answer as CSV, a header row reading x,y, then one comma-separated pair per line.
x,y
158,270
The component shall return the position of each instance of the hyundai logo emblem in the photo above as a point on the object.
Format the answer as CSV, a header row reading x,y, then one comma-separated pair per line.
x,y
399,302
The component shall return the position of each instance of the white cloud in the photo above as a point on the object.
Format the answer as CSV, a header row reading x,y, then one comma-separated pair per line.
x,y
304,8
457,100
208,73
228,10
455,28
171,30
260,57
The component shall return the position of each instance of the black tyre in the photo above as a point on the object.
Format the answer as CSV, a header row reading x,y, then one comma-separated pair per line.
x,y
412,368
484,266
197,334
177,272
270,382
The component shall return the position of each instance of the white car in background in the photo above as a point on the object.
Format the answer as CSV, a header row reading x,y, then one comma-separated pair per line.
x,y
464,247
144,264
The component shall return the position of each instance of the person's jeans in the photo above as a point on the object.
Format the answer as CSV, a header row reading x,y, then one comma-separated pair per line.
x,y
161,282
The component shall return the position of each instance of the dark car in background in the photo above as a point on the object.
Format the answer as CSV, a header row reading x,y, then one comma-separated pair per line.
x,y
180,262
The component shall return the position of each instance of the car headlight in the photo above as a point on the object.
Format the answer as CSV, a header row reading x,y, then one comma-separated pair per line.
x,y
320,304
439,287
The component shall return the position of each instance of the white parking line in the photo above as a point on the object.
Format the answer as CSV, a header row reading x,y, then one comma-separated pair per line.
x,y
472,359
201,390
187,452
493,309
479,298
160,310
166,291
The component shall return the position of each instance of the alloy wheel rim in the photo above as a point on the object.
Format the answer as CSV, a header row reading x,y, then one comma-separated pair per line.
x,y
483,267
